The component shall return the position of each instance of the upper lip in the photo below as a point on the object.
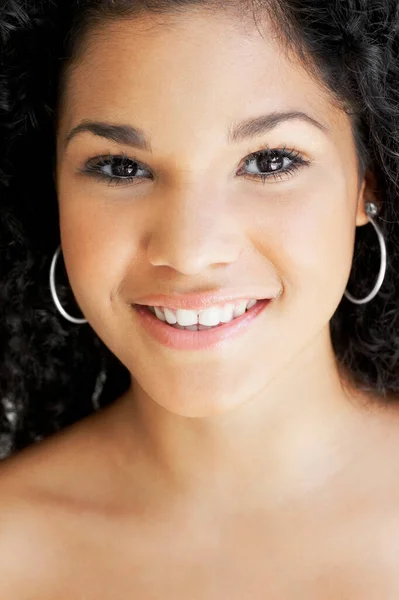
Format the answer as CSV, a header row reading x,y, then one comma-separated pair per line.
x,y
197,301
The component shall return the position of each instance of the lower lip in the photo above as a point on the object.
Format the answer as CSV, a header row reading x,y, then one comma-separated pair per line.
x,y
184,339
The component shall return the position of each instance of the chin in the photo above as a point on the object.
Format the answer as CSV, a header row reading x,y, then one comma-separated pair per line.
x,y
198,406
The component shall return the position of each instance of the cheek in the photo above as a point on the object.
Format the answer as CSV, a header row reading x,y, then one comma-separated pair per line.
x,y
309,239
99,241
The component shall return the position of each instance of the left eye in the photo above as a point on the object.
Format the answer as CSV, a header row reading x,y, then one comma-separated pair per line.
x,y
276,164
269,162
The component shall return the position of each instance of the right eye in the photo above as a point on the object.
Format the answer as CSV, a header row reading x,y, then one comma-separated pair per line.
x,y
113,169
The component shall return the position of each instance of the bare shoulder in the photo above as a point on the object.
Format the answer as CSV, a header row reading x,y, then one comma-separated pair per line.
x,y
40,487
24,539
59,462
60,512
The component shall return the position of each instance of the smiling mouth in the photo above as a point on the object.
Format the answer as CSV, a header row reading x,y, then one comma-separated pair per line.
x,y
150,310
224,317
198,326
196,337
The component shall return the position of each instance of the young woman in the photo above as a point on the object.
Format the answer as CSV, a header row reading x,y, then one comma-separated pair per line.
x,y
199,300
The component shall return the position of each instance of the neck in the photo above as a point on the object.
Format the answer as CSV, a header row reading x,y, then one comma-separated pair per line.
x,y
288,438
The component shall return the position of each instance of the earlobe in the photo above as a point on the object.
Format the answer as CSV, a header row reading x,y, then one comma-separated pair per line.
x,y
361,217
367,194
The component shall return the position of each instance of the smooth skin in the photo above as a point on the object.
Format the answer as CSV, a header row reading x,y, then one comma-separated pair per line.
x,y
251,471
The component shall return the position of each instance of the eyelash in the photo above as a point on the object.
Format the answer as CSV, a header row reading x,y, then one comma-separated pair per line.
x,y
93,166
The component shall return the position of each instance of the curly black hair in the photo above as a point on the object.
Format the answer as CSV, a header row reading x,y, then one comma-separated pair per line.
x,y
53,373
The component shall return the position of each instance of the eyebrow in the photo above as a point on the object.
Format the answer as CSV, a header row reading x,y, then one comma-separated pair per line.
x,y
245,130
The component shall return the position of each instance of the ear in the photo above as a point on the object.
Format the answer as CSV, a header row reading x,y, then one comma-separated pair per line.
x,y
367,193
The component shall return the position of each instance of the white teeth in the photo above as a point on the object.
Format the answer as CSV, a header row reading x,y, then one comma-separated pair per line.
x,y
159,313
227,313
209,317
240,308
186,317
170,316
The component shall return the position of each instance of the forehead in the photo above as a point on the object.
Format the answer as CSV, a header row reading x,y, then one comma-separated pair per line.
x,y
199,69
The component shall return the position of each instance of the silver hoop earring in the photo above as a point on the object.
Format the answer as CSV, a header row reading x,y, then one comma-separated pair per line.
x,y
54,293
371,211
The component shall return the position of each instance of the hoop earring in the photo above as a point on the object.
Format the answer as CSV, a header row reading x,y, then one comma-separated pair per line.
x,y
371,211
54,293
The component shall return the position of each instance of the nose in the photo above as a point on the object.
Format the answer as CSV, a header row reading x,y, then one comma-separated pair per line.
x,y
193,230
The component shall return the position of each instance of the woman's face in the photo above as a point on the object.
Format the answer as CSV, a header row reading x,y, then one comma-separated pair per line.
x,y
194,217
